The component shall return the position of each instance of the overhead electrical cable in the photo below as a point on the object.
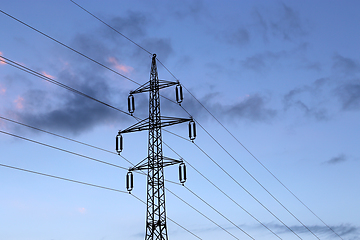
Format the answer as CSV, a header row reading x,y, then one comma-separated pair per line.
x,y
103,162
72,49
63,150
247,191
252,176
76,141
91,185
242,145
168,218
138,84
226,129
110,26
62,178
21,67
202,214
213,184
51,80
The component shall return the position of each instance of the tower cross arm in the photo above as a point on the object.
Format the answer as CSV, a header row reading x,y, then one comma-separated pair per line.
x,y
145,124
143,165
146,87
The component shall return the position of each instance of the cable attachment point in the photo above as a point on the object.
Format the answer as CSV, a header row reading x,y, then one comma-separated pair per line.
x,y
119,143
182,173
192,130
131,104
129,181
179,93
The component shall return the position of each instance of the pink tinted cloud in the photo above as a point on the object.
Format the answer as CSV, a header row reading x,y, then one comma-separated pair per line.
x,y
47,75
2,62
120,67
2,90
19,102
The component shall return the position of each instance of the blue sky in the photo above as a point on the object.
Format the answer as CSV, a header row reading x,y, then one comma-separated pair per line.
x,y
282,76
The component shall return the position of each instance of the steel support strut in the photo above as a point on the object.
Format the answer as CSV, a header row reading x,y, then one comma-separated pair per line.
x,y
156,215
155,162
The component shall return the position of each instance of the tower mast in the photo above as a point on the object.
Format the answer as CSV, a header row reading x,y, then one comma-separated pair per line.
x,y
154,163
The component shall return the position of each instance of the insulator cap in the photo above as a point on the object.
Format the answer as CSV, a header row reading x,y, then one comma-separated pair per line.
x,y
179,93
192,130
131,104
129,181
182,173
119,143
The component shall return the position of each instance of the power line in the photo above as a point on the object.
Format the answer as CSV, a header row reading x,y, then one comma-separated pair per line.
x,y
110,26
202,214
247,191
21,67
76,141
102,162
61,178
51,80
72,49
262,186
63,150
139,84
213,184
91,185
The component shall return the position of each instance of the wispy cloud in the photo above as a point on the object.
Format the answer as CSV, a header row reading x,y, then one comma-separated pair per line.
x,y
120,67
308,99
284,23
344,230
336,160
345,65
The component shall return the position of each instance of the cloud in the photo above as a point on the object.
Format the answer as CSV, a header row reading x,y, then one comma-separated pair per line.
x,y
344,65
285,23
240,37
308,99
344,230
133,25
259,62
2,62
120,67
19,102
349,95
336,160
185,9
160,46
47,75
252,108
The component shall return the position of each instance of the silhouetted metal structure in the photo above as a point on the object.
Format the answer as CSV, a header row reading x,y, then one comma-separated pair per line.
x,y
155,162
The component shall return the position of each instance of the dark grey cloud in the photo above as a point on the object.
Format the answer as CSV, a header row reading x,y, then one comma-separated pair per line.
x,y
346,72
284,23
64,111
239,37
253,108
308,99
133,25
343,230
184,9
349,95
288,25
160,46
261,61
336,160
344,65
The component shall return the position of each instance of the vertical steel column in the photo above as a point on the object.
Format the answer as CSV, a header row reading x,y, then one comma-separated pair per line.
x,y
156,215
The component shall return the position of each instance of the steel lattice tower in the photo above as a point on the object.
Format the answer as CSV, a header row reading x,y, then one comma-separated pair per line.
x,y
156,228
156,215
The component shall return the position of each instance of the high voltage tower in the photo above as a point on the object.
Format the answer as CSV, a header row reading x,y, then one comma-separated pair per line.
x,y
156,228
